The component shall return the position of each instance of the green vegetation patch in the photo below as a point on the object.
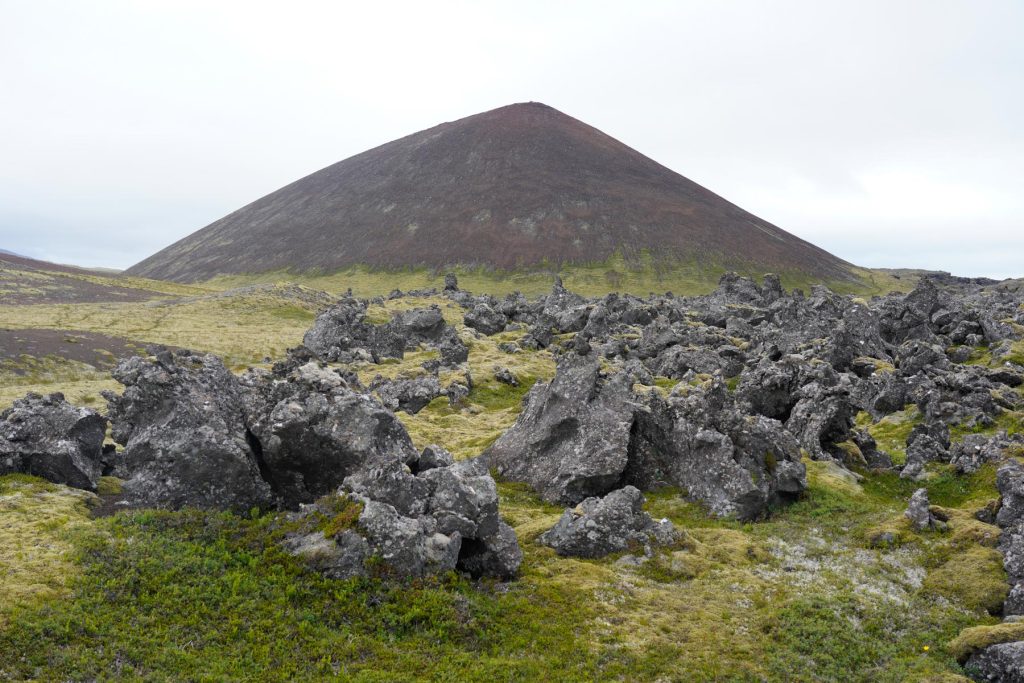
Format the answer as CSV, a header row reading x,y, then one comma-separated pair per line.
x,y
210,596
974,577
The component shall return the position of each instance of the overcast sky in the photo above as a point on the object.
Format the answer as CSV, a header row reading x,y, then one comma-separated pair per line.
x,y
890,133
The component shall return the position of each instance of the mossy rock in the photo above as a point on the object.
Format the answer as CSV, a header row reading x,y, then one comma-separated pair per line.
x,y
976,638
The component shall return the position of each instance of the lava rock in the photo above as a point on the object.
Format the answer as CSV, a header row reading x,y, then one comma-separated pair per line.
x,y
48,437
181,420
309,441
570,441
601,526
505,376
485,320
919,513
1003,662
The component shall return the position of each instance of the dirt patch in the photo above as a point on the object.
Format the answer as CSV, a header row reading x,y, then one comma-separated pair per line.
x,y
99,350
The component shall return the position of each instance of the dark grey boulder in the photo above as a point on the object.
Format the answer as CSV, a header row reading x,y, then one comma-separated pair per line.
x,y
1010,482
182,423
442,518
571,440
1002,663
420,325
564,311
342,330
916,356
464,498
601,526
505,376
734,464
451,348
485,320
48,437
497,555
407,546
770,388
926,443
408,395
822,418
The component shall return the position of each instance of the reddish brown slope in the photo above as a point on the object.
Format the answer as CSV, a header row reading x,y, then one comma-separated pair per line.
x,y
512,187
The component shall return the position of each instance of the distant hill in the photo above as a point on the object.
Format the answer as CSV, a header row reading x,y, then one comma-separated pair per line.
x,y
515,187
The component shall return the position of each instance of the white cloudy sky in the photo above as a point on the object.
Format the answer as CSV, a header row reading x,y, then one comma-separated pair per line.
x,y
891,132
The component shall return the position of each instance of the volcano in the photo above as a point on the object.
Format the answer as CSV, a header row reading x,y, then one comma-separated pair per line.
x,y
516,187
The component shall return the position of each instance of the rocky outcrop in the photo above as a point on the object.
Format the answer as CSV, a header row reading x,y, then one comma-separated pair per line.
x,y
1010,518
1002,663
341,333
312,431
182,424
585,434
485,320
394,522
48,437
420,325
601,526
571,440
734,464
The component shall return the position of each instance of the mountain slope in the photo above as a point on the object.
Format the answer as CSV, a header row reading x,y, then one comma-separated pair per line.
x,y
517,186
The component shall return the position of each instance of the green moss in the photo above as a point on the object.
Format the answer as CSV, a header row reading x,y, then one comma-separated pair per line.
x,y
975,578
891,431
109,486
36,518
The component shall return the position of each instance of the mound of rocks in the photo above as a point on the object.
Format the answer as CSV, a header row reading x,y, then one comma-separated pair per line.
x,y
443,518
341,333
309,437
48,437
601,526
313,428
587,433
